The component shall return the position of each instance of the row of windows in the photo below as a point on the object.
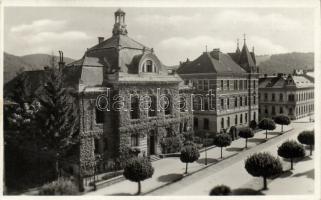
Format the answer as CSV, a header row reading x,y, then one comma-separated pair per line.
x,y
291,97
225,103
205,84
225,122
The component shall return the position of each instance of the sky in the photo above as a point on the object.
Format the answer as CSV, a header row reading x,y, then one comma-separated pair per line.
x,y
175,33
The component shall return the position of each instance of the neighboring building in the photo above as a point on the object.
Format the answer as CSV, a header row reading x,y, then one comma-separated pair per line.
x,y
124,68
291,95
233,79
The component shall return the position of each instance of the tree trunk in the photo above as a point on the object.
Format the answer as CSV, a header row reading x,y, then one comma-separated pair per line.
x,y
266,134
57,167
221,152
139,188
264,183
311,147
245,143
291,163
186,168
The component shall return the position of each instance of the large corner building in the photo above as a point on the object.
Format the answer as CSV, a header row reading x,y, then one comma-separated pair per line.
x,y
233,79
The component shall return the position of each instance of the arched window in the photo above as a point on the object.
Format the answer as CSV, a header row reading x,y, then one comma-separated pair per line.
x,y
152,107
168,105
148,66
134,112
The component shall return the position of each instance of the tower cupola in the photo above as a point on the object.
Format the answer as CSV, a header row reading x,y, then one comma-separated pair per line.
x,y
120,24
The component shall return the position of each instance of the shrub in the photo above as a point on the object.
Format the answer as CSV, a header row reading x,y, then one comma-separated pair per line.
x,y
253,124
220,190
138,169
246,133
263,165
222,140
62,186
233,132
291,150
282,120
189,154
267,124
171,144
307,138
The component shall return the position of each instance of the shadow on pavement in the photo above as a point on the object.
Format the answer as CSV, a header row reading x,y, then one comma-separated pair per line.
x,y
121,194
256,140
308,174
274,133
246,191
209,160
170,177
234,149
285,174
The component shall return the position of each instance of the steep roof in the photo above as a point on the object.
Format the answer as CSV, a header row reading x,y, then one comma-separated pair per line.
x,y
246,59
211,62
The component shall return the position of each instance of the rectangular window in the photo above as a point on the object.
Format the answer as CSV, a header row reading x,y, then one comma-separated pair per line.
x,y
99,116
281,97
236,85
222,104
235,102
222,85
200,84
235,119
273,97
206,124
254,84
195,123
134,140
212,84
205,85
245,118
134,112
273,110
246,101
265,96
228,103
240,84
254,100
245,84
281,110
228,84
241,101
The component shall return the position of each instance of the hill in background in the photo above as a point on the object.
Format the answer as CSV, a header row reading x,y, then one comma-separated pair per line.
x,y
285,63
13,64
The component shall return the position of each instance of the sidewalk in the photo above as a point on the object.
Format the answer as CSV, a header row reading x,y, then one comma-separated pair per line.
x,y
168,170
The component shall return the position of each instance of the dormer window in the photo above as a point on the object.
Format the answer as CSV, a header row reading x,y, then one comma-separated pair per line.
x,y
148,66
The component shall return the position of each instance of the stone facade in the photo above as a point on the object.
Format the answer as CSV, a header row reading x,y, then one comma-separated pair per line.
x,y
126,76
291,95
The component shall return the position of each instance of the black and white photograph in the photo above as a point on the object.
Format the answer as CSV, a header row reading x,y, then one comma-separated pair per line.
x,y
151,98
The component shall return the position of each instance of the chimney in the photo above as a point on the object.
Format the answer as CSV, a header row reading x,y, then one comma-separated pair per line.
x,y
216,54
61,60
100,40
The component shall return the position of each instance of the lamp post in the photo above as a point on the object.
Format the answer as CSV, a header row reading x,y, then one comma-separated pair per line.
x,y
205,148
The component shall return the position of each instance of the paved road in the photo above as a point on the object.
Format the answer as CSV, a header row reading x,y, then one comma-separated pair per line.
x,y
231,172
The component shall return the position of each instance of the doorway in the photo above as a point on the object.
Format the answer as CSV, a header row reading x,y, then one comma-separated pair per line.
x,y
152,143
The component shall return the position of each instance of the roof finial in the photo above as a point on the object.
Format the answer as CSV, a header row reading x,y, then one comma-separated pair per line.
x,y
244,38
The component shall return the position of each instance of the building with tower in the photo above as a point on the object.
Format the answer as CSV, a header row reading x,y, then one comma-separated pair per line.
x,y
233,81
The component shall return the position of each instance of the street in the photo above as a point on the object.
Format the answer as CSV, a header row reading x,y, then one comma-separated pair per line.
x,y
168,176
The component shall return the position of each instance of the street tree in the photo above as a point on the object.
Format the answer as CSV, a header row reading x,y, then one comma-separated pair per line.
x,y
246,133
253,125
189,154
263,165
222,140
220,190
307,138
282,120
138,169
291,150
267,124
